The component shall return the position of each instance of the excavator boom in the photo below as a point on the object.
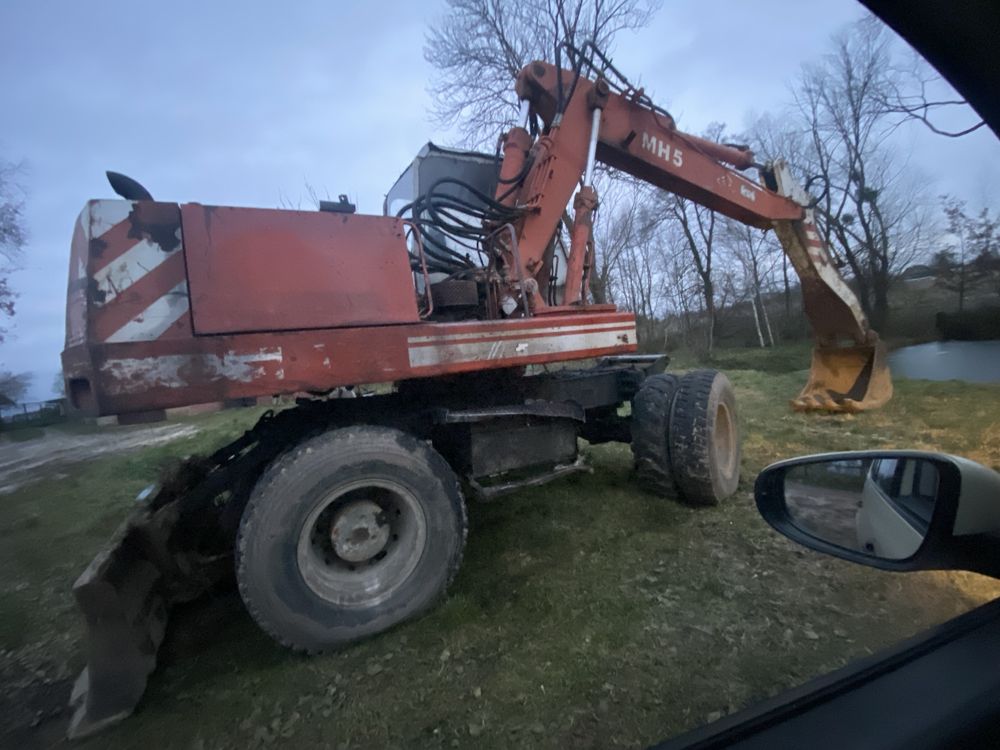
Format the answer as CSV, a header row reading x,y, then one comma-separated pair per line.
x,y
585,120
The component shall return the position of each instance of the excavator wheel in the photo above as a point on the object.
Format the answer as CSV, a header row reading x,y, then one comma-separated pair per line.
x,y
650,427
347,534
705,438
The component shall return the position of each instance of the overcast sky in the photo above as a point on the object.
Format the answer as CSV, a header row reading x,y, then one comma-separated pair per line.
x,y
247,103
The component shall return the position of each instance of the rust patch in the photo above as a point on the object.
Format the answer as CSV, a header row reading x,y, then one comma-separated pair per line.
x,y
156,222
97,247
94,292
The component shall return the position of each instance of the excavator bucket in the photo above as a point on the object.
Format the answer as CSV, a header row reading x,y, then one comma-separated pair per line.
x,y
846,379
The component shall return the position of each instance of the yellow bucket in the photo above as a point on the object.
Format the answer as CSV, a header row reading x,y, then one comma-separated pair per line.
x,y
846,379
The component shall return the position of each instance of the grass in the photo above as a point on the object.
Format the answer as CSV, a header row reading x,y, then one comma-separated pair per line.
x,y
586,613
20,434
782,359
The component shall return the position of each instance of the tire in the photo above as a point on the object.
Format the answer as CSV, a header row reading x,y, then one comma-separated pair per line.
x,y
704,434
650,441
347,534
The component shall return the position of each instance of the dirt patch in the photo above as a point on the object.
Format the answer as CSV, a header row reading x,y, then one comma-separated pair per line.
x,y
24,462
827,514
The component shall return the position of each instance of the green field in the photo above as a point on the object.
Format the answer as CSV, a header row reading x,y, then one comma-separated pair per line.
x,y
586,613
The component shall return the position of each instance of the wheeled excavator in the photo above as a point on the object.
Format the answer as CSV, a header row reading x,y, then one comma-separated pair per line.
x,y
340,517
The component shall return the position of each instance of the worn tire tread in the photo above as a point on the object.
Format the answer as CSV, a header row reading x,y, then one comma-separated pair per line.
x,y
650,434
265,488
691,439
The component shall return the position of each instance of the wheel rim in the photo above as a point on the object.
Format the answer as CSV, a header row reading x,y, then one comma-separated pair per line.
x,y
724,440
361,542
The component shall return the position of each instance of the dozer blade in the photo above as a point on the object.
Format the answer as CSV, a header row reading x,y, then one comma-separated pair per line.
x,y
174,547
846,379
125,595
121,597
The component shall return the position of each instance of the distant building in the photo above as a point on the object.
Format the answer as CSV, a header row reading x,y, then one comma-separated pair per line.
x,y
919,275
918,271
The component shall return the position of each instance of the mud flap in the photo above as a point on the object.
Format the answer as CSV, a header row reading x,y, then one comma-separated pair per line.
x,y
846,379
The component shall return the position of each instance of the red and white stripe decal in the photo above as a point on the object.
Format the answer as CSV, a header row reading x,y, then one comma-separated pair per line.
x,y
812,237
154,320
456,348
103,216
128,268
138,288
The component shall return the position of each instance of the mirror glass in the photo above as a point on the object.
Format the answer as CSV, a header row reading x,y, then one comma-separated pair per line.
x,y
877,506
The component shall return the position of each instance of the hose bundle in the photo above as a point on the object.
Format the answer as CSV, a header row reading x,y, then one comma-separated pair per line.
x,y
443,215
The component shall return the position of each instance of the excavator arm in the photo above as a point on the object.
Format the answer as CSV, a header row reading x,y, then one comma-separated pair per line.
x,y
584,121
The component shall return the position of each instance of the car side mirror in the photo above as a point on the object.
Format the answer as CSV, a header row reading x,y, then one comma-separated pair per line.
x,y
896,510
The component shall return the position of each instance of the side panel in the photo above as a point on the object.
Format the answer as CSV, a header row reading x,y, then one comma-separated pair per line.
x,y
168,373
131,345
253,269
462,347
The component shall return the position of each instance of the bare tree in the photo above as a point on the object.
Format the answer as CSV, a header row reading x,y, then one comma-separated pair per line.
x,y
480,46
694,229
689,228
913,93
837,135
12,234
616,228
681,291
874,217
697,229
14,385
637,279
757,254
774,138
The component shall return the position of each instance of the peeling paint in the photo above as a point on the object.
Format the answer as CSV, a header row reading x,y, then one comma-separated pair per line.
x,y
137,375
128,268
155,319
484,350
105,214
